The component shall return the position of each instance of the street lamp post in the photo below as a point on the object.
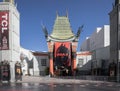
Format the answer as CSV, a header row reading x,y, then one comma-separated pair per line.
x,y
118,67
118,46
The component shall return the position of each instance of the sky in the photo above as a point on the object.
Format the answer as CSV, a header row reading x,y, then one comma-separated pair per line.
x,y
34,13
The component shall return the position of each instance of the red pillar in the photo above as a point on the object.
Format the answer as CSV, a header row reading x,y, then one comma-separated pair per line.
x,y
74,64
51,70
51,67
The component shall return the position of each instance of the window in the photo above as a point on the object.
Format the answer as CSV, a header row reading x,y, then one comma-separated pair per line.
x,y
43,62
6,0
80,62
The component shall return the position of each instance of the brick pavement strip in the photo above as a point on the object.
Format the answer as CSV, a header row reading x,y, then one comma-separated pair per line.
x,y
45,80
39,79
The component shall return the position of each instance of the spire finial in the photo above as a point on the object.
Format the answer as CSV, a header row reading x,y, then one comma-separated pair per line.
x,y
66,13
44,30
57,13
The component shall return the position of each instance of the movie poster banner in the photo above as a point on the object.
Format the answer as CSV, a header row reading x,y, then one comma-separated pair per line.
x,y
4,30
62,54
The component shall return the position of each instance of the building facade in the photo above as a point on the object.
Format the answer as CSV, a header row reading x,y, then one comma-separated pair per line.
x,y
42,60
85,46
100,61
100,38
9,34
115,40
34,63
98,44
62,45
83,63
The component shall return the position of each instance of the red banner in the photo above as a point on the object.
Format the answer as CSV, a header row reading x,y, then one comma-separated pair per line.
x,y
62,54
4,30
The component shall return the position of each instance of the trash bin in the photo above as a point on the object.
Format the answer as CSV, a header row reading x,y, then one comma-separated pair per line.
x,y
5,71
18,71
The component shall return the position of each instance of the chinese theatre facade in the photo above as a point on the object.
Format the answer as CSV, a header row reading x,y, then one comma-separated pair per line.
x,y
62,45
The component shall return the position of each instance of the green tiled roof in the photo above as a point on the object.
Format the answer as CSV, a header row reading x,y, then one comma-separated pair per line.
x,y
62,29
11,1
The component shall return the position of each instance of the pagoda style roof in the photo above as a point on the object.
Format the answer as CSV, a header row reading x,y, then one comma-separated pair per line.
x,y
62,29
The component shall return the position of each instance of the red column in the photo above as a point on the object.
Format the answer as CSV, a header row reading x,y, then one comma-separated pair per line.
x,y
74,64
51,70
51,67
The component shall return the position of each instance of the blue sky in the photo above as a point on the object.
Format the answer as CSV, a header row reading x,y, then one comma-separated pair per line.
x,y
91,13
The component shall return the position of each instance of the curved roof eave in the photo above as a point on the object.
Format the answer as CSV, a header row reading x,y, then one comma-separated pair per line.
x,y
56,39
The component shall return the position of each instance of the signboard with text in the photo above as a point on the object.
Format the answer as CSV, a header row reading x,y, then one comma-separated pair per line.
x,y
4,30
